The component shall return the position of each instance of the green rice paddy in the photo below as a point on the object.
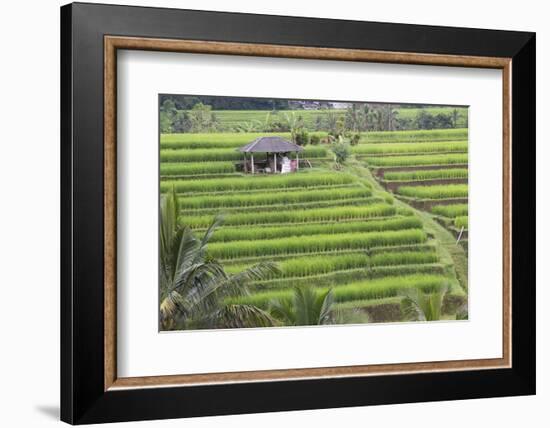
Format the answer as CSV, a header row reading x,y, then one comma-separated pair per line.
x,y
324,227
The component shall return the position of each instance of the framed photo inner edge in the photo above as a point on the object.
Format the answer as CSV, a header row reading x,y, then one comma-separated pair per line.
x,y
114,43
90,389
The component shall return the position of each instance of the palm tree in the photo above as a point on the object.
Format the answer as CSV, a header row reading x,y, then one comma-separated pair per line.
x,y
454,115
419,306
356,117
294,123
391,117
378,116
331,121
193,286
304,307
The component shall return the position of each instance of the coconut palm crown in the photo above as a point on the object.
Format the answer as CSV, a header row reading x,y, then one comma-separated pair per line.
x,y
194,286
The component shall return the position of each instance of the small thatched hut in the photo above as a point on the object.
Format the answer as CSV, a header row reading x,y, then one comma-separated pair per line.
x,y
276,159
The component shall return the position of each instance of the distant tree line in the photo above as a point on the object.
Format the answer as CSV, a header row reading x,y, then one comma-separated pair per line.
x,y
362,117
187,102
195,114
199,118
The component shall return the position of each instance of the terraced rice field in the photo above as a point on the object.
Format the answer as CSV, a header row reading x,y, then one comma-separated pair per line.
x,y
430,175
324,228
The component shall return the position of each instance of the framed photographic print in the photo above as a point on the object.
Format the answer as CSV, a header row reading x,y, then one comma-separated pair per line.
x,y
264,213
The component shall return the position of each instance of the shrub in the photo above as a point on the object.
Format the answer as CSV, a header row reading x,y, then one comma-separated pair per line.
x,y
301,137
354,139
314,139
341,152
278,126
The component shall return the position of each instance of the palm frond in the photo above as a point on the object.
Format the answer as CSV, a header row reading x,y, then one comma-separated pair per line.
x,y
418,306
244,316
325,301
170,233
193,286
201,272
218,220
305,307
462,313
412,305
237,284
304,301
283,309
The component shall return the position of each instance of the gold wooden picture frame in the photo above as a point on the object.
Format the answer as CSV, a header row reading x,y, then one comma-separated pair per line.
x,y
114,43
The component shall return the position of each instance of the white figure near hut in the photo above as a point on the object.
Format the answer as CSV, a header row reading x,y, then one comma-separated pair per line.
x,y
276,159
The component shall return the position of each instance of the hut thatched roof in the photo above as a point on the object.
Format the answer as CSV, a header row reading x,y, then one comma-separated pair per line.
x,y
270,145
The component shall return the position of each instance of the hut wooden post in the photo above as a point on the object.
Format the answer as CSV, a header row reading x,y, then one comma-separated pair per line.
x,y
297,162
252,162
275,162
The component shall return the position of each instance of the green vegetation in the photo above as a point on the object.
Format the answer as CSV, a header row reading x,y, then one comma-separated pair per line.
x,y
193,286
227,140
443,191
461,221
287,197
454,210
211,114
391,148
430,174
341,152
315,265
323,264
196,168
302,179
202,155
420,160
305,307
370,289
304,244
403,258
265,232
327,244
415,136
213,140
419,306
298,216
